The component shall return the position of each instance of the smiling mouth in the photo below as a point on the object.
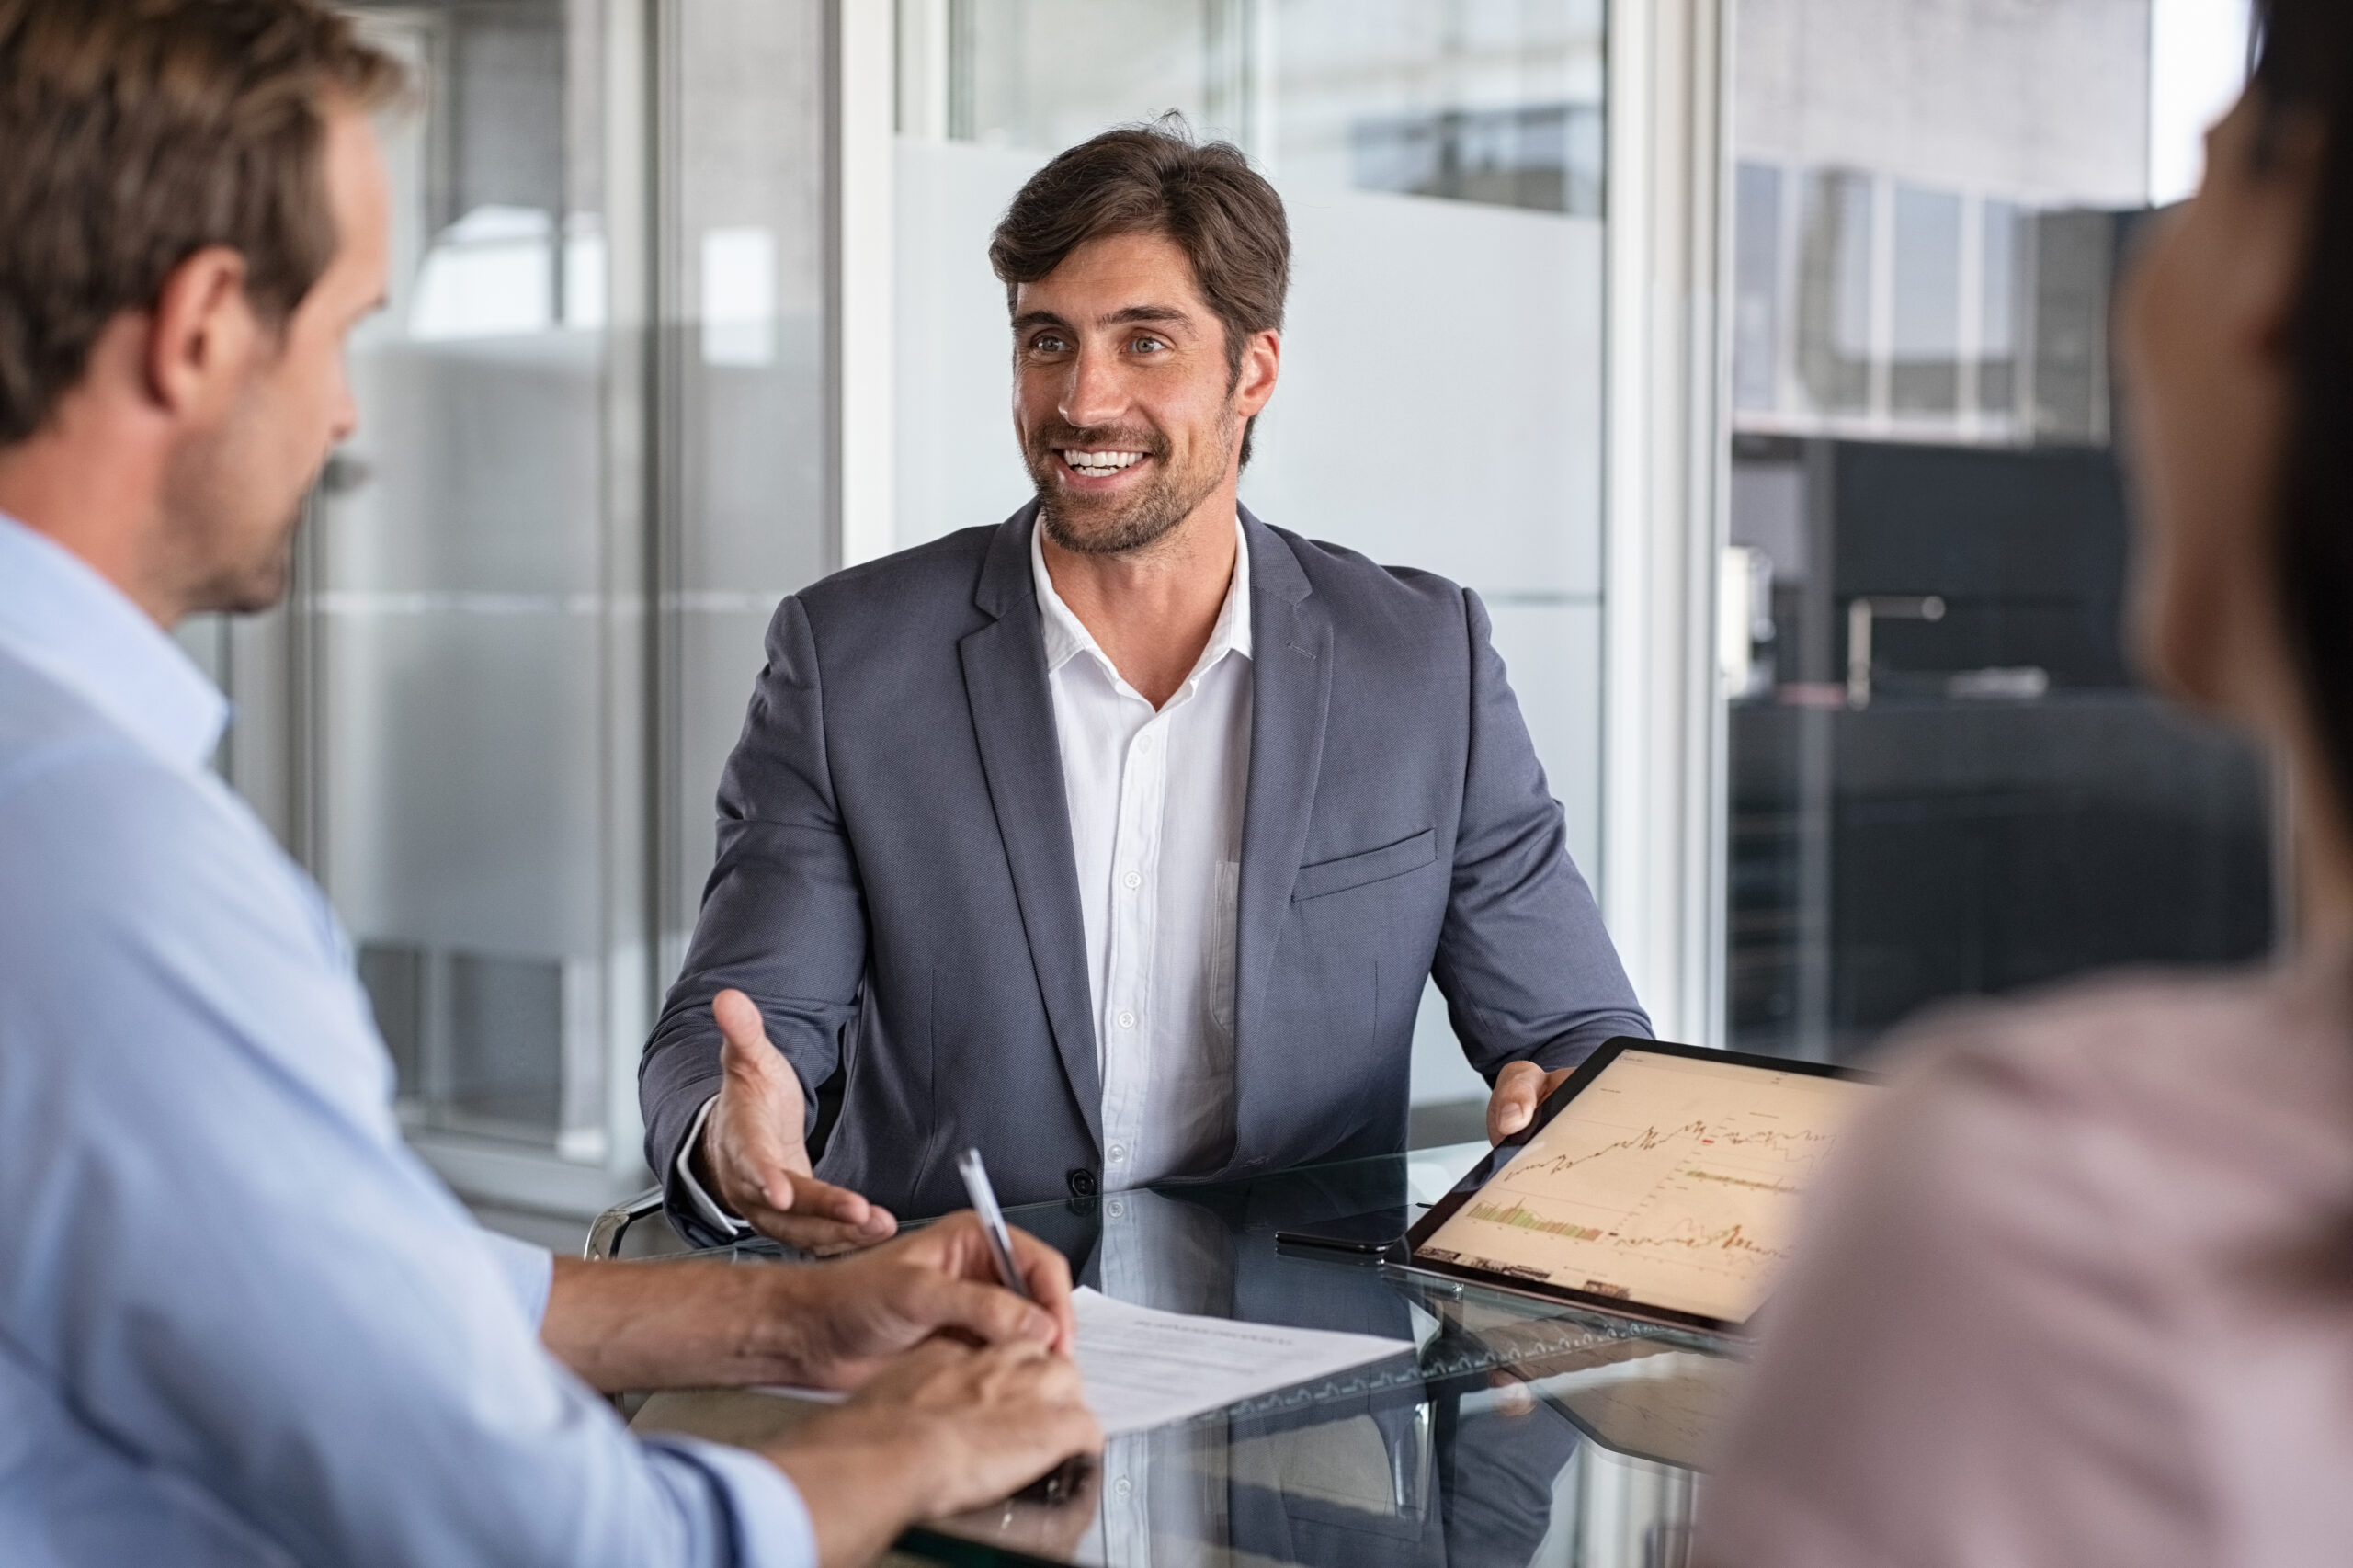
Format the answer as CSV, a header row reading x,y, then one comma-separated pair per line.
x,y
1100,464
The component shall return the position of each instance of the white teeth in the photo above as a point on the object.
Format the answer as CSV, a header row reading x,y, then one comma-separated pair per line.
x,y
1100,465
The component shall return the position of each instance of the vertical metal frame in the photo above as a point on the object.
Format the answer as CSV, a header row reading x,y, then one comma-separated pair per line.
x,y
861,41
660,429
631,408
1665,477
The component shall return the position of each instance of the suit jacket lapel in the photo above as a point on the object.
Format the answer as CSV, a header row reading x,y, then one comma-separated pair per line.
x,y
1013,719
1292,647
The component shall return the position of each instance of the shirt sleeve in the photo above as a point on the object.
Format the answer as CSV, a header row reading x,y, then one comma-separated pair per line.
x,y
783,917
768,1524
1528,969
230,1267
530,1271
706,1207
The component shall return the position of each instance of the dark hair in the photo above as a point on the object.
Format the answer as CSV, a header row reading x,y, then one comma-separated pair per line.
x,y
1155,179
138,132
2306,66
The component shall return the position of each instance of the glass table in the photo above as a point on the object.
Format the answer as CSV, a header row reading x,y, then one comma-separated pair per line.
x,y
1519,1433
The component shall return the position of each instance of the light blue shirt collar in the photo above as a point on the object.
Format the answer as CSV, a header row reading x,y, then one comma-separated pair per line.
x,y
60,615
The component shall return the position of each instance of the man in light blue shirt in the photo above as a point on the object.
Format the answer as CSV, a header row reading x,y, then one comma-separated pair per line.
x,y
240,1323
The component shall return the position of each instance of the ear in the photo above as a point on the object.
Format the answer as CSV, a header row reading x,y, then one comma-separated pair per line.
x,y
202,336
1262,363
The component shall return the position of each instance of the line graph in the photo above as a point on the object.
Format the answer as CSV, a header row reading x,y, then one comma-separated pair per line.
x,y
1734,1237
1797,1146
1670,1180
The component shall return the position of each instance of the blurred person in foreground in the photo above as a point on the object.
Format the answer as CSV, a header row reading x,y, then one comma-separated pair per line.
x,y
240,1323
2080,1291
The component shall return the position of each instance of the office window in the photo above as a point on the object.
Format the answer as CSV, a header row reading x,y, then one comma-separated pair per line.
x,y
1925,346
1999,235
1944,777
1756,285
1442,164
1835,291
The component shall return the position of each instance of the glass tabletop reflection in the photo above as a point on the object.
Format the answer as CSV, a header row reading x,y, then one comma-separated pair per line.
x,y
1519,1433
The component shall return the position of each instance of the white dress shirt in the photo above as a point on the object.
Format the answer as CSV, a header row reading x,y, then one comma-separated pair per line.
x,y
1156,802
1155,805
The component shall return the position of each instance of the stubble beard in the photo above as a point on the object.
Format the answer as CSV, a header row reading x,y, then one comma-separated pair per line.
x,y
250,587
233,550
1088,525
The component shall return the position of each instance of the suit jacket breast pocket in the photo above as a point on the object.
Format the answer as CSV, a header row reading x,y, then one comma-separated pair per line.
x,y
1327,877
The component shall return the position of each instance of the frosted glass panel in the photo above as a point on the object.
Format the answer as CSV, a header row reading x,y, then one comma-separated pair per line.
x,y
459,601
1462,437
746,378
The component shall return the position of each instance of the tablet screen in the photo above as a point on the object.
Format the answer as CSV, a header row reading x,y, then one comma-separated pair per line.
x,y
1668,1181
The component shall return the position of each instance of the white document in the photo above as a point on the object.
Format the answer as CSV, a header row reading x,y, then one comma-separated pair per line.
x,y
1144,1367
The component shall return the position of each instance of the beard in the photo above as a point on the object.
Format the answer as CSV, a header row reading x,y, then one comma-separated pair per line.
x,y
233,505
256,584
1105,525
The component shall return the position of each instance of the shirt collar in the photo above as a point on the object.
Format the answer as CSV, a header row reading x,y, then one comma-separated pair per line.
x,y
60,615
1067,637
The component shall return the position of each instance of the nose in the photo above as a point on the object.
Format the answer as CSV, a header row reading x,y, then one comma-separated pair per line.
x,y
1095,394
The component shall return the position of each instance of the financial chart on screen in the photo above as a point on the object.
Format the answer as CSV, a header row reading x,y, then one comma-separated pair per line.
x,y
1668,1182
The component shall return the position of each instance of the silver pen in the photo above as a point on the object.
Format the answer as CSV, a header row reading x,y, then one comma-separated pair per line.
x,y
984,1197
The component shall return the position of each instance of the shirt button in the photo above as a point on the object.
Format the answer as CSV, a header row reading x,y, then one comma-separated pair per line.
x,y
1122,1486
1143,743
1127,1020
1118,1150
1116,1208
1132,881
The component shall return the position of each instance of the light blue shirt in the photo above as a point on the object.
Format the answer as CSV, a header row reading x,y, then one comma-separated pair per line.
x,y
240,1322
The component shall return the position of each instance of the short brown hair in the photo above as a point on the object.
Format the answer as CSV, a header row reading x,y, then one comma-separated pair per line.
x,y
134,133
1155,179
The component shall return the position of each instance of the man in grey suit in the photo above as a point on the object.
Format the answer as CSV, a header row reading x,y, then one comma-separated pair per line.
x,y
1116,840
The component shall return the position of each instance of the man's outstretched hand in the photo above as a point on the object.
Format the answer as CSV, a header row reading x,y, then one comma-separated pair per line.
x,y
1521,1087
754,1155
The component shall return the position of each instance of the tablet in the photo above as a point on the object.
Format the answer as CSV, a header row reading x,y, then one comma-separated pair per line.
x,y
1658,1181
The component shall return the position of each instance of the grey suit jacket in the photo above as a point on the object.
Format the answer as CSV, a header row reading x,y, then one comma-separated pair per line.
x,y
895,886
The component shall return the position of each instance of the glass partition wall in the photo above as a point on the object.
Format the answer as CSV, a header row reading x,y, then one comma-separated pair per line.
x,y
1441,162
605,432
530,598
1944,777
465,607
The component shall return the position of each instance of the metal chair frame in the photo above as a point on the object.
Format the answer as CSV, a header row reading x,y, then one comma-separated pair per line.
x,y
605,1237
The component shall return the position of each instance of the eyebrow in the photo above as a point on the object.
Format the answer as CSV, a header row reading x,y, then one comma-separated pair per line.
x,y
1132,315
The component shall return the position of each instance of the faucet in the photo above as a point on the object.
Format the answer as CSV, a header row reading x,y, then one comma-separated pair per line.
x,y
1861,612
